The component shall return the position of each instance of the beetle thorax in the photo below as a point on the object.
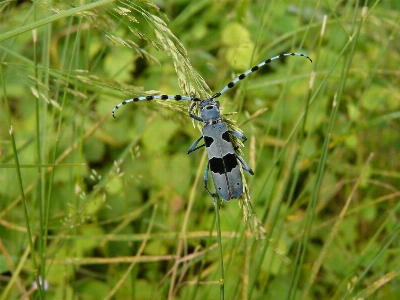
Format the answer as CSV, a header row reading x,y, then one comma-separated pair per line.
x,y
210,111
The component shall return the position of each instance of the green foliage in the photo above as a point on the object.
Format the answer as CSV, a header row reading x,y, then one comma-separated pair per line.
x,y
106,208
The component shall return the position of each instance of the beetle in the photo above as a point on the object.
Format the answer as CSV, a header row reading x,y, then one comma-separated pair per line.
x,y
223,161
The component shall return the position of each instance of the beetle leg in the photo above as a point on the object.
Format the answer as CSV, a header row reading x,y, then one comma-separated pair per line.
x,y
193,147
205,178
239,136
245,165
191,110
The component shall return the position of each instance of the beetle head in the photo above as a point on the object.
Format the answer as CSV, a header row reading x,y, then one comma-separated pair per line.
x,y
210,111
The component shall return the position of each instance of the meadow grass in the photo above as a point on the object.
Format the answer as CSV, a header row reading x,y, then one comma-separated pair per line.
x,y
99,208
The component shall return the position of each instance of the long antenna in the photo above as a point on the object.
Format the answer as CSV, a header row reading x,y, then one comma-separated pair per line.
x,y
254,69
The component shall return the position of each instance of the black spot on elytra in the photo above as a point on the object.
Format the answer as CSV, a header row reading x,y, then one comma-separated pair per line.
x,y
223,165
230,161
208,141
225,136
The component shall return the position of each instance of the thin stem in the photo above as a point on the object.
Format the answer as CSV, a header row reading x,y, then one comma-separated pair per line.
x,y
217,205
20,183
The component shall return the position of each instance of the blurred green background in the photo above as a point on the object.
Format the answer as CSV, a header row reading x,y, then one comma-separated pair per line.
x,y
105,208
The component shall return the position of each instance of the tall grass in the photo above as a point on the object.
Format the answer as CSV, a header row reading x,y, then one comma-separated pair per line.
x,y
100,208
